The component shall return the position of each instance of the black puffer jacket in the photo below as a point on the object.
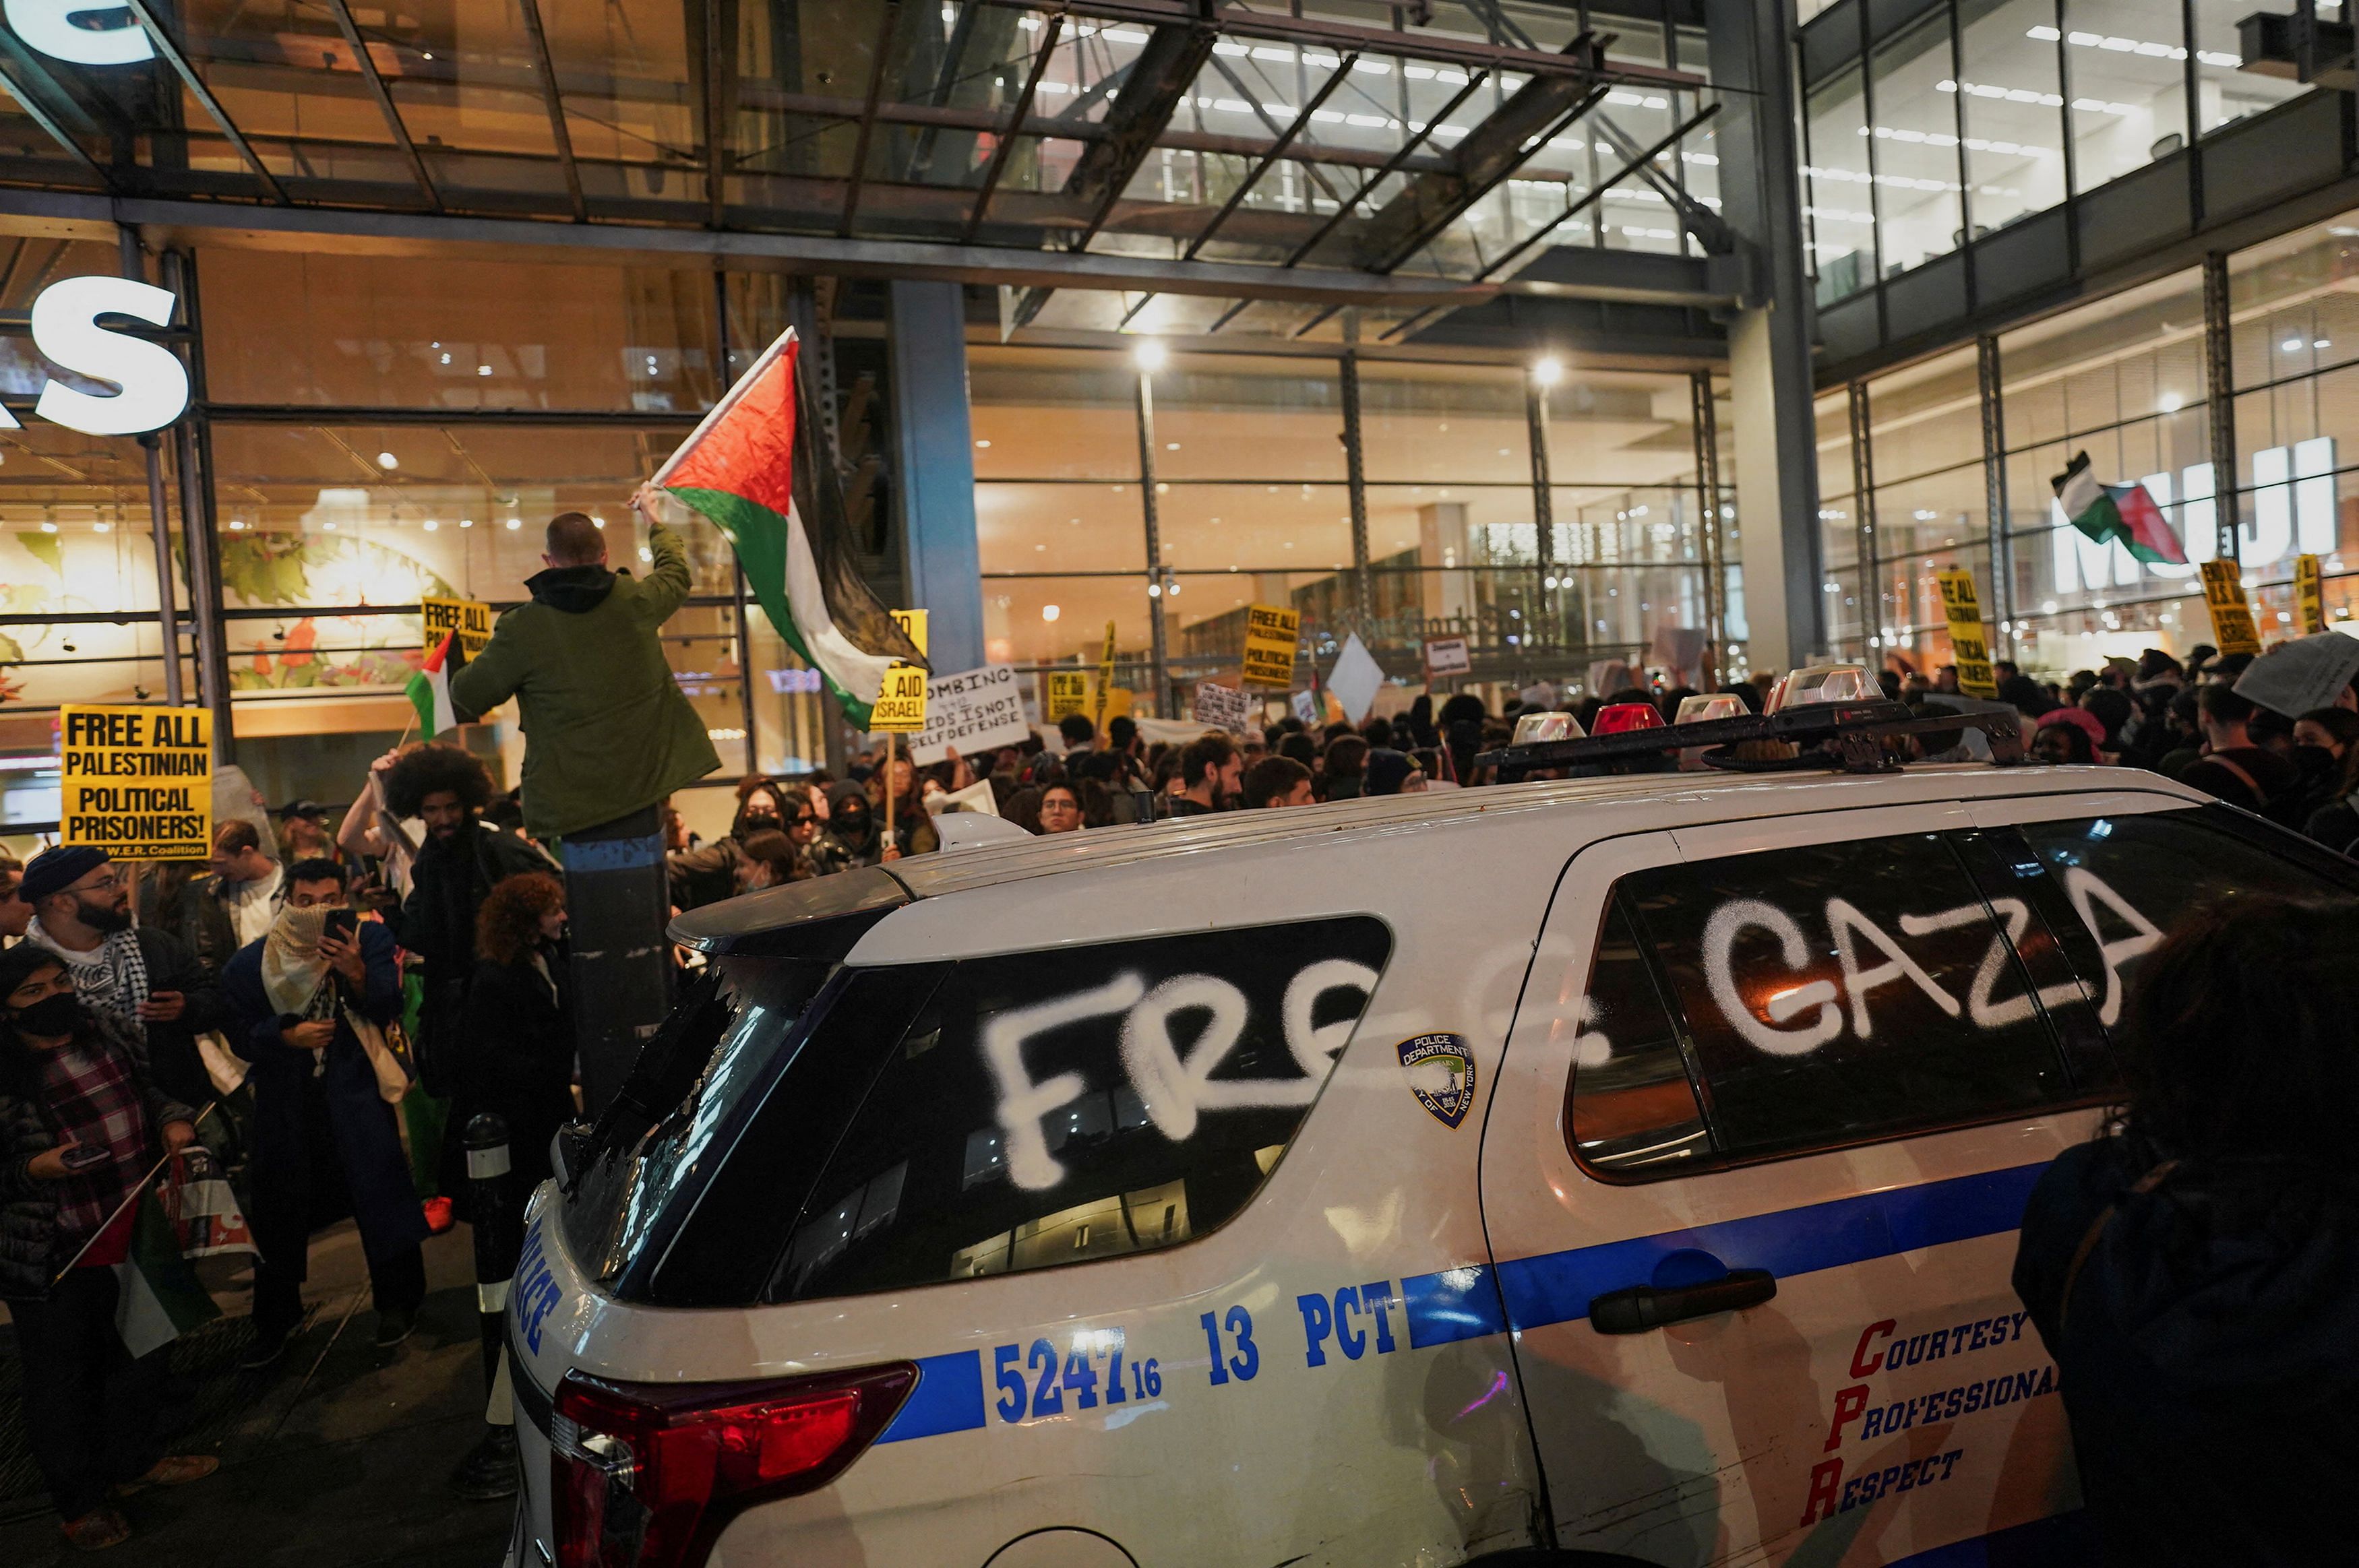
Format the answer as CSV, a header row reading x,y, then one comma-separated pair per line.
x,y
28,1206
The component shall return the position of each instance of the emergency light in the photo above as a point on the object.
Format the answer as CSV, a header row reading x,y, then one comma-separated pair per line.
x,y
1620,718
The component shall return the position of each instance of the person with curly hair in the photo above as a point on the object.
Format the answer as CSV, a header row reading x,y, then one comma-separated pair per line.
x,y
519,1056
460,860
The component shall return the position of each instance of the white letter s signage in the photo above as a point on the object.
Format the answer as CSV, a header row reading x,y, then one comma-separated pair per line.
x,y
65,329
48,25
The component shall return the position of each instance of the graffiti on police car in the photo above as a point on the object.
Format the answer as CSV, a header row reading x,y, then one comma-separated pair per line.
x,y
1174,1084
1797,1019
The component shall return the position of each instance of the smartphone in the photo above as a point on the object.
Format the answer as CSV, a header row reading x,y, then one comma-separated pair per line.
x,y
341,924
83,1156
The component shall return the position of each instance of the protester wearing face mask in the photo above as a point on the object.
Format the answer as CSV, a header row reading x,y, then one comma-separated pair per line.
x,y
2331,734
309,1002
520,1023
853,827
81,1125
710,872
143,978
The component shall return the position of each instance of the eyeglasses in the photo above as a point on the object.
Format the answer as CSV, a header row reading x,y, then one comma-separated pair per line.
x,y
107,882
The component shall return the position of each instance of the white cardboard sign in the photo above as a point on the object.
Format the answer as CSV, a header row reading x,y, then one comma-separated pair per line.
x,y
975,710
1222,708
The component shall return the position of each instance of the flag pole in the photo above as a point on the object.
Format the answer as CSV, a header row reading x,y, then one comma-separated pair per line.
x,y
129,1198
888,788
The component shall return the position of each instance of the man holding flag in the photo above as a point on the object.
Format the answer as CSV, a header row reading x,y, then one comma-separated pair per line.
x,y
92,1274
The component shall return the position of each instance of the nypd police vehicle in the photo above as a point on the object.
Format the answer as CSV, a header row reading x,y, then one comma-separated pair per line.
x,y
1598,1170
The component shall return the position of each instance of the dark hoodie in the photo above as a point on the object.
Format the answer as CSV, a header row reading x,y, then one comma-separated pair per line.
x,y
2211,1354
847,804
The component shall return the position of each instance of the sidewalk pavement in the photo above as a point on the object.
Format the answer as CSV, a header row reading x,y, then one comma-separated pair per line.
x,y
338,1453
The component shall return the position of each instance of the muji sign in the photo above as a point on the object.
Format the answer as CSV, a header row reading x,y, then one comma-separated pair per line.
x,y
154,383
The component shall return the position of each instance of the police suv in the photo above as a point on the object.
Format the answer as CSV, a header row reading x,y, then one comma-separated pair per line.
x,y
1606,1170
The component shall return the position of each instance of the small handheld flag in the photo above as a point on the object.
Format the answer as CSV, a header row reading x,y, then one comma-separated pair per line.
x,y
429,688
2123,512
754,468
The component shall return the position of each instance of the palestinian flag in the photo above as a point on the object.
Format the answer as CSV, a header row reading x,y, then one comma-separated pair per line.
x,y
429,688
755,469
2123,512
157,1298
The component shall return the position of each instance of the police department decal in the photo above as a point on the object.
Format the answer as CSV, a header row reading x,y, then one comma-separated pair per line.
x,y
1440,1075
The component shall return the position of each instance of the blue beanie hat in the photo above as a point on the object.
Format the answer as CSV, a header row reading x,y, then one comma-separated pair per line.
x,y
54,871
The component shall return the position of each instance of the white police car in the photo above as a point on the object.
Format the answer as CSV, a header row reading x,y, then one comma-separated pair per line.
x,y
1598,1170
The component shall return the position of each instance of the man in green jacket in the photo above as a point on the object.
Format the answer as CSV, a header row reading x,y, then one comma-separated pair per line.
x,y
607,731
608,734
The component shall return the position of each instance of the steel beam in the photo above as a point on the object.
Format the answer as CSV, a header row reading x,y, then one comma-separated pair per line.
x,y
1022,112
1277,150
1391,165
178,59
890,20
385,105
1669,280
48,105
1637,160
721,78
545,69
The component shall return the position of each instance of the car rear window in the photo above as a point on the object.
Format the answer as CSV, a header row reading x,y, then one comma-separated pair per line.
x,y
1060,1107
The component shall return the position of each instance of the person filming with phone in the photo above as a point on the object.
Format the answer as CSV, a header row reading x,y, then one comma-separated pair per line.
x,y
310,1001
82,1127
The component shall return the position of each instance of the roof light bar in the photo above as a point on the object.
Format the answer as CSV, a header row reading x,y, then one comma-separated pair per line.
x,y
1841,736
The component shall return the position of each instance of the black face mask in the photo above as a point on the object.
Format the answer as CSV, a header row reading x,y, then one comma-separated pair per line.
x,y
754,822
52,1017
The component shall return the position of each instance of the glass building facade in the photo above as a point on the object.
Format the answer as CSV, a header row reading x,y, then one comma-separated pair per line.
x,y
1949,463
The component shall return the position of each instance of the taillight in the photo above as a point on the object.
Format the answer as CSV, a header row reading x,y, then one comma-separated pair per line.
x,y
647,1474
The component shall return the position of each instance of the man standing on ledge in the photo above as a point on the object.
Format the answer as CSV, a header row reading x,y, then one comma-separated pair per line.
x,y
607,735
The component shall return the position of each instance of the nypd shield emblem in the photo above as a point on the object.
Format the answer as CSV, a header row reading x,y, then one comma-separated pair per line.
x,y
1440,1069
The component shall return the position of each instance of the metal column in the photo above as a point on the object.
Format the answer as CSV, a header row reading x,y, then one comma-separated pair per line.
x,y
2002,544
192,453
160,513
1355,480
1705,427
1774,435
2220,387
744,619
1863,485
1149,515
1543,510
935,469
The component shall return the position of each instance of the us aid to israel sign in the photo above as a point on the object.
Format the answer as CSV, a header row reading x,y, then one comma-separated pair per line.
x,y
152,385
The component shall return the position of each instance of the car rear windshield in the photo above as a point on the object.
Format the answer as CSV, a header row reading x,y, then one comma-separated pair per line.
x,y
942,1121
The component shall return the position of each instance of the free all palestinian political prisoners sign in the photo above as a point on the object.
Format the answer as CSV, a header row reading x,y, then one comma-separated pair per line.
x,y
975,710
137,782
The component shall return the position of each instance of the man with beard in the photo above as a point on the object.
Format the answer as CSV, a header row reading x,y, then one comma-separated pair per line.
x,y
146,979
460,860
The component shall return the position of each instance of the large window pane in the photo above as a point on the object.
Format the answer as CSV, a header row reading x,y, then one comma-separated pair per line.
x,y
2225,89
1452,425
427,332
1256,527
1053,414
1047,526
1915,137
2014,112
1218,416
2126,76
1054,620
1841,209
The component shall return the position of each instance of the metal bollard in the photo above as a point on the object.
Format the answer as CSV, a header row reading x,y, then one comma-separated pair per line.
x,y
488,1472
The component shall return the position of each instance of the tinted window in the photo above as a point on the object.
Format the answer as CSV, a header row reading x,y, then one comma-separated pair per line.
x,y
1633,1106
1060,1107
2128,879
1844,991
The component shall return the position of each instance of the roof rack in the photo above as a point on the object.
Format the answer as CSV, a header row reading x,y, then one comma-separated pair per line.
x,y
1838,736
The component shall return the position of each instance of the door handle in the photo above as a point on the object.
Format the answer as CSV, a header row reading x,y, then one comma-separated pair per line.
x,y
1642,1307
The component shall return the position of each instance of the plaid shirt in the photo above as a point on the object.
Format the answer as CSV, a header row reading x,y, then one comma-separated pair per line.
x,y
93,1098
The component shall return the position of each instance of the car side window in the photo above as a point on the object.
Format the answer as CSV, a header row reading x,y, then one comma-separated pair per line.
x,y
1840,992
1082,1103
2128,880
1633,1106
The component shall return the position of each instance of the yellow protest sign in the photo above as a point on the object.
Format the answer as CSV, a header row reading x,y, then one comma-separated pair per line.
x,y
1069,693
1969,646
137,782
2232,616
1270,637
913,621
901,707
471,618
2309,595
1105,675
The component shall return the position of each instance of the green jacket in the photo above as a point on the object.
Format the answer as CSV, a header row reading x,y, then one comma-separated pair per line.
x,y
607,730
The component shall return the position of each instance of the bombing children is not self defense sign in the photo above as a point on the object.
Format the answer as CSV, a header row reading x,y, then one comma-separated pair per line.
x,y
137,782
